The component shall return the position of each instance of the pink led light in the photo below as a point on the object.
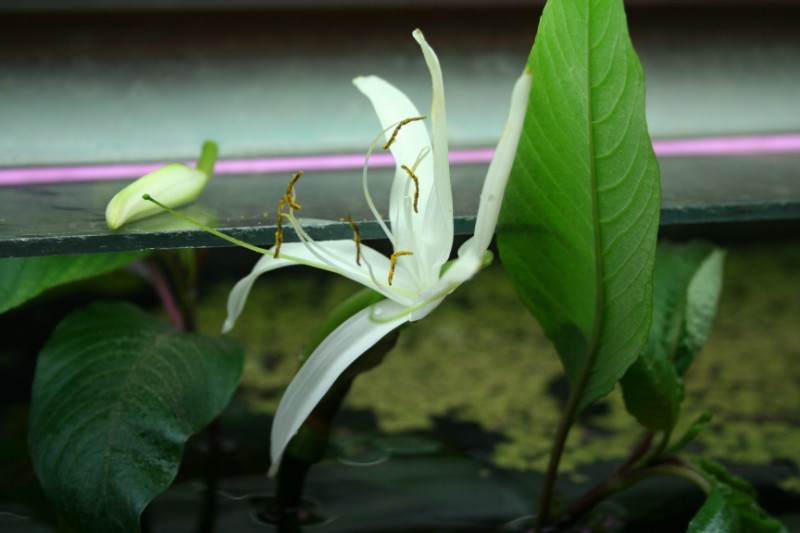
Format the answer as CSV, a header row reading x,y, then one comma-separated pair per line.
x,y
709,146
269,165
749,144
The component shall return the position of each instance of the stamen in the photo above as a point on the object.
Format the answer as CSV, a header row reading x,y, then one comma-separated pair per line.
x,y
415,179
397,129
203,227
422,154
290,194
278,234
356,237
287,199
393,262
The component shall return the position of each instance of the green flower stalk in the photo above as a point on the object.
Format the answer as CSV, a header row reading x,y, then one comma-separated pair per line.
x,y
175,185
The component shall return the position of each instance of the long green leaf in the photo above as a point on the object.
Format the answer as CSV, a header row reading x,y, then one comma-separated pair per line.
x,y
701,307
578,226
652,386
116,395
22,278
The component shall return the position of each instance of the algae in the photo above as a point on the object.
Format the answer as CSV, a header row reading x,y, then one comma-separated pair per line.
x,y
481,358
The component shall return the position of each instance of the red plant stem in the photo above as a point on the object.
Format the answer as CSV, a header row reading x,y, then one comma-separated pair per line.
x,y
156,278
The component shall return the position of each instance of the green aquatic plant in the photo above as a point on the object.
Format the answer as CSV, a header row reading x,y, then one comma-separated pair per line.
x,y
118,392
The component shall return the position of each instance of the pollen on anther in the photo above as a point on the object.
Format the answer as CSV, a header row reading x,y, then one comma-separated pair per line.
x,y
415,179
393,262
397,129
356,238
287,199
290,194
278,239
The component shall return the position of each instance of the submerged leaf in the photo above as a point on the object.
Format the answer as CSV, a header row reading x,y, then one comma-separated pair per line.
x,y
578,226
116,395
22,278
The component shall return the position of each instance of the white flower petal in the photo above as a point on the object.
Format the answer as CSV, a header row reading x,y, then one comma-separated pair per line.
x,y
461,270
442,218
173,185
332,357
240,291
341,257
497,176
393,106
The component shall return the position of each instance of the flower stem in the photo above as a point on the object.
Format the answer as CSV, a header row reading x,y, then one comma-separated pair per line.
x,y
564,425
616,481
151,273
208,157
631,472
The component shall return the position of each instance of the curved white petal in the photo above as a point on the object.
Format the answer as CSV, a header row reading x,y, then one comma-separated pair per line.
x,y
341,257
332,357
393,106
442,218
497,176
461,270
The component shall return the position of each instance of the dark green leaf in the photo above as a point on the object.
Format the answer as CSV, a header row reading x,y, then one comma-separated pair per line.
x,y
715,516
701,307
652,387
731,506
653,390
22,278
116,395
578,226
717,473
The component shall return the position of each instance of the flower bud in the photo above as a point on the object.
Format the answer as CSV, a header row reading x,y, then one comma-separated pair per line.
x,y
174,185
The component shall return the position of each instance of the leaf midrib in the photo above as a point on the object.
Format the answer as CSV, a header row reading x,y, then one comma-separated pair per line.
x,y
597,323
121,396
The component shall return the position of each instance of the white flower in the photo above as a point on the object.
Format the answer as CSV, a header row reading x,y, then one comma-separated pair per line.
x,y
421,233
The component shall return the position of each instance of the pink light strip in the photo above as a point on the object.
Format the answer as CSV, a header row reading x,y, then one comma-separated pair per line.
x,y
709,146
748,144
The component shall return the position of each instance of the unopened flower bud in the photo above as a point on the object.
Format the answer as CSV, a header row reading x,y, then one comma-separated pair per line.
x,y
174,185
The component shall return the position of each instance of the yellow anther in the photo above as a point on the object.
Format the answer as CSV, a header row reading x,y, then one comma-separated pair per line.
x,y
397,129
286,199
415,179
356,238
393,263
290,194
278,238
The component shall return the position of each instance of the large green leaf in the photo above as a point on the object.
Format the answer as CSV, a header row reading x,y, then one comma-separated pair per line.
x,y
731,506
116,395
685,292
578,227
22,278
